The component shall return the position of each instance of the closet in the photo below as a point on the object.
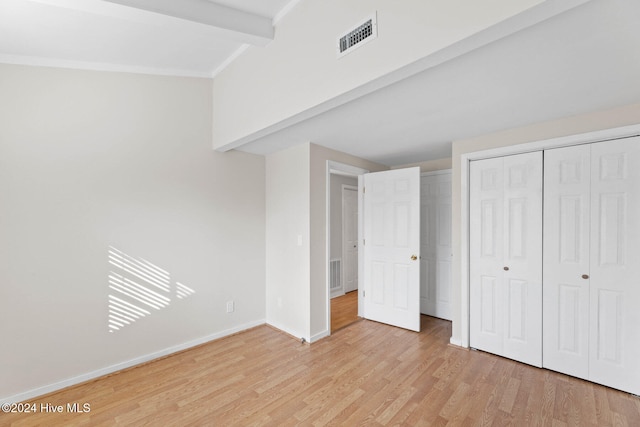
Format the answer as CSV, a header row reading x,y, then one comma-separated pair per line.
x,y
591,279
557,284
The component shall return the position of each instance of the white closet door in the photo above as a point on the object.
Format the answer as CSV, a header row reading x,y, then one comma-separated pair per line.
x,y
566,260
523,257
614,356
506,256
435,243
486,254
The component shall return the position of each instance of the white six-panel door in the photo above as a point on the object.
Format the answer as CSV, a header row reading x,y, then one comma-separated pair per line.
x,y
486,255
506,256
567,199
391,247
614,315
435,245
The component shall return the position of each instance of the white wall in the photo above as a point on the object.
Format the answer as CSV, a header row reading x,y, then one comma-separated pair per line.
x,y
300,71
618,117
287,240
429,165
296,194
93,160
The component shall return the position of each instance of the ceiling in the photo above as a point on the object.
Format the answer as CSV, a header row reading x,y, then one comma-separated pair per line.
x,y
174,37
586,59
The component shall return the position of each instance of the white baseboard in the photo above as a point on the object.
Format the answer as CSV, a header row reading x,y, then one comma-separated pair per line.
x,y
30,394
295,334
319,336
455,342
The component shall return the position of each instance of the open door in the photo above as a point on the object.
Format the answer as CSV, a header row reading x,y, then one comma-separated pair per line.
x,y
392,247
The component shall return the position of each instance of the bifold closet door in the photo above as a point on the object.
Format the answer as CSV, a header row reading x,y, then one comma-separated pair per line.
x,y
506,256
591,304
614,317
567,204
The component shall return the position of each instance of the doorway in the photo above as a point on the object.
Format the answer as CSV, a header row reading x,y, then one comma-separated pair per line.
x,y
345,306
393,207
343,249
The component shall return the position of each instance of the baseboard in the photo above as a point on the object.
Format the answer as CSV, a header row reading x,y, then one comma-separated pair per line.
x,y
455,342
319,336
40,391
297,335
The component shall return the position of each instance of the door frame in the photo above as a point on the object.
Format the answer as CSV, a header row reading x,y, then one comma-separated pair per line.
x,y
344,242
465,161
333,167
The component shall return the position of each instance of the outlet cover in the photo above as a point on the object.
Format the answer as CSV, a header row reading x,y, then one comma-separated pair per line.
x,y
230,306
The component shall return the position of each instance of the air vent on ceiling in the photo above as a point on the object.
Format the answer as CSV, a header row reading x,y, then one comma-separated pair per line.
x,y
356,37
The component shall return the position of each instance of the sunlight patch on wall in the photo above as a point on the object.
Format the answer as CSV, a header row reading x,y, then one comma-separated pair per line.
x,y
137,286
183,291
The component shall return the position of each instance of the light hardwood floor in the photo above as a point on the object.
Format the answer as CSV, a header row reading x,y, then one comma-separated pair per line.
x,y
344,310
365,374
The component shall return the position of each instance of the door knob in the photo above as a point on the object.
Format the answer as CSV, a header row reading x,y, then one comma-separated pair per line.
x,y
585,276
414,257
506,268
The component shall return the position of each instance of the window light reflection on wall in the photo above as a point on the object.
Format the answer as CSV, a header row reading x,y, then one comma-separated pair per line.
x,y
137,287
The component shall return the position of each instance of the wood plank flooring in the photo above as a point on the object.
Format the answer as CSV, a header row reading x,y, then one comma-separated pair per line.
x,y
366,374
344,310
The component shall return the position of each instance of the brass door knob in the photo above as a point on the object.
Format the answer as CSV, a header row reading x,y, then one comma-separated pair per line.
x,y
414,257
506,268
585,276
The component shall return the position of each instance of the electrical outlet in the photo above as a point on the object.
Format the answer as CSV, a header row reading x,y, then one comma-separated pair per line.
x,y
279,302
230,306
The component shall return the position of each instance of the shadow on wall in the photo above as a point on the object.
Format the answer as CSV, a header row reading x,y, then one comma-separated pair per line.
x,y
138,286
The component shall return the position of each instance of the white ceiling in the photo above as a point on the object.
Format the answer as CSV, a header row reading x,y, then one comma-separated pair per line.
x,y
268,8
584,60
174,37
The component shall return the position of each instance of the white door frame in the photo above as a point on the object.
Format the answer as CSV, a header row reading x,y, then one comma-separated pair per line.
x,y
346,170
344,241
466,158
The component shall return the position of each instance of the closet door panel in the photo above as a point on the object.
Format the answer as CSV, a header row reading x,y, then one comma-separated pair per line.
x,y
523,257
566,259
615,264
486,254
506,256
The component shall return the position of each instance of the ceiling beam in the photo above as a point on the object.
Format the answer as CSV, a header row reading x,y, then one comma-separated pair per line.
x,y
221,21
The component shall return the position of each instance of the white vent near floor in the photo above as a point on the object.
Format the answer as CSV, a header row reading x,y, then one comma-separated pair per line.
x,y
356,37
335,274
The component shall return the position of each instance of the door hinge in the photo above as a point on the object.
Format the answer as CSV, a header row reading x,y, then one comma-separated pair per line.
x,y
364,242
363,190
363,293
